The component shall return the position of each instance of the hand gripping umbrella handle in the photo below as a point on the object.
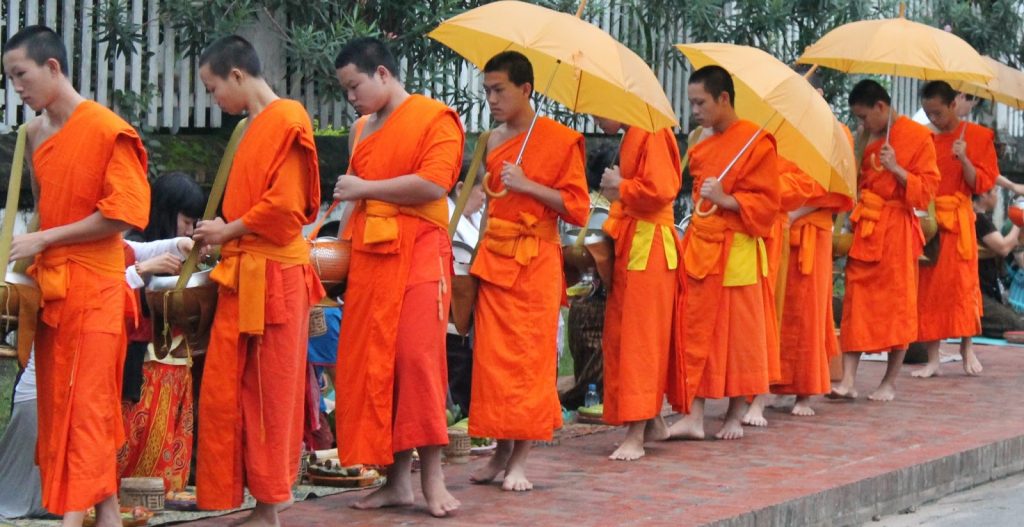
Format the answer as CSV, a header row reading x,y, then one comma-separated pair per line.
x,y
704,213
487,187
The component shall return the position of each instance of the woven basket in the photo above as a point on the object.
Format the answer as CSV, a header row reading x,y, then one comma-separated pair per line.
x,y
317,322
457,450
145,492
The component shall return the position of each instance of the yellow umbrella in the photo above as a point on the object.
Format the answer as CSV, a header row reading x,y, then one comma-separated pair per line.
x,y
897,46
774,96
1006,87
575,62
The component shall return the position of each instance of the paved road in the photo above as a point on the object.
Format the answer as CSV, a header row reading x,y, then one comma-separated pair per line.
x,y
996,504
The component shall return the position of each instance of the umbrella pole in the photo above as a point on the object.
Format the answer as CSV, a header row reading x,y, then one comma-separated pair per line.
x,y
696,208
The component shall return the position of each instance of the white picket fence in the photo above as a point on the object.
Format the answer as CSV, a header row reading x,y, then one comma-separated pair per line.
x,y
180,100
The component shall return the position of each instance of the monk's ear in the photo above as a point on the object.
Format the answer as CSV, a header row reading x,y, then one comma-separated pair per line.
x,y
235,74
52,65
527,88
383,72
723,98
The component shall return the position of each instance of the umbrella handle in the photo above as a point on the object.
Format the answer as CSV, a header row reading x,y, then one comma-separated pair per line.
x,y
704,213
487,188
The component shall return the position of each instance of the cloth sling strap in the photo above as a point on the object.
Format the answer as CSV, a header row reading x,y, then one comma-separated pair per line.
x,y
859,144
467,187
216,194
11,208
192,261
29,298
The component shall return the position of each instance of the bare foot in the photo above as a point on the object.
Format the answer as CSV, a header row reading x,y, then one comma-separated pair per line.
x,y
755,413
494,466
263,515
732,429
972,366
842,393
929,370
281,507
656,430
387,496
439,501
803,407
515,480
884,393
687,428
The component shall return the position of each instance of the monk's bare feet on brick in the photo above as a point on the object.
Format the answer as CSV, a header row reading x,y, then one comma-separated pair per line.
x,y
263,515
842,393
656,430
281,507
632,448
515,472
733,427
803,406
108,513
691,426
495,465
884,393
397,491
931,369
926,371
886,390
972,366
390,495
440,502
755,413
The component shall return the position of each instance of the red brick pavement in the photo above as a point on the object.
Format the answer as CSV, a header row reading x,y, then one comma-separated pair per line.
x,y
694,483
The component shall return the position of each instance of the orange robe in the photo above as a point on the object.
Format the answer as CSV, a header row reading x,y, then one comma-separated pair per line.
x,y
392,369
880,306
519,263
637,342
94,163
949,297
252,396
729,324
807,337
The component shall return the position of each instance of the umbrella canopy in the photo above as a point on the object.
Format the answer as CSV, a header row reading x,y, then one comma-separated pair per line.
x,y
771,94
574,62
898,46
1006,87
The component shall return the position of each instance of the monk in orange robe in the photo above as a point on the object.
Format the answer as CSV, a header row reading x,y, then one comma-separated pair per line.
x,y
897,175
251,400
519,264
392,368
89,169
730,326
638,330
949,296
807,338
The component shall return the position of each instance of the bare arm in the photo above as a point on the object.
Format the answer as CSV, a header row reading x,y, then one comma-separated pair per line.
x,y
1005,182
409,189
93,227
1002,245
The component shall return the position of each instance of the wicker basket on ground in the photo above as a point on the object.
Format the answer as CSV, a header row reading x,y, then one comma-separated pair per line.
x,y
145,492
459,444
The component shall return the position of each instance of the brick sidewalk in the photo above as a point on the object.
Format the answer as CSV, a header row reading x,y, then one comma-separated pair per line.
x,y
852,461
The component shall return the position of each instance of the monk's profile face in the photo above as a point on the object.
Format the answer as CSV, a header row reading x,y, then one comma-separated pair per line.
x,y
366,92
942,115
608,126
874,119
707,109
226,91
505,99
35,83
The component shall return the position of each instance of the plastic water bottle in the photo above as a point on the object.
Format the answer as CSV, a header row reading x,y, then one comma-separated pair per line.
x,y
591,398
